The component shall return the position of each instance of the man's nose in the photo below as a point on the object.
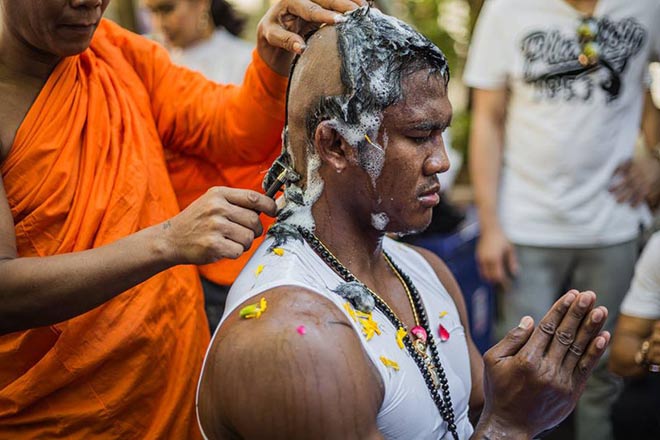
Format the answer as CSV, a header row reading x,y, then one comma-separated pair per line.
x,y
438,162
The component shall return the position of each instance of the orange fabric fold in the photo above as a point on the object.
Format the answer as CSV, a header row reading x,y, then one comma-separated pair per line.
x,y
87,168
192,175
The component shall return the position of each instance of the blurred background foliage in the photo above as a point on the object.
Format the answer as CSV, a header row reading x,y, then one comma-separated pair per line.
x,y
448,23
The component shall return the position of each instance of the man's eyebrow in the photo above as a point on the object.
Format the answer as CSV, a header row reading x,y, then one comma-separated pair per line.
x,y
430,125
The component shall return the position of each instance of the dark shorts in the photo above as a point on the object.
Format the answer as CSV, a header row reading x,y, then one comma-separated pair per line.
x,y
636,414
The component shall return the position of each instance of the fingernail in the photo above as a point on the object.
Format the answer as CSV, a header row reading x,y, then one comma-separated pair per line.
x,y
570,297
339,18
584,300
600,343
298,48
525,322
597,316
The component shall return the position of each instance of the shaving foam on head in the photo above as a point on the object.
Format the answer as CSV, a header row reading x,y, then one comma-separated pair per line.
x,y
372,155
372,159
376,52
301,214
368,124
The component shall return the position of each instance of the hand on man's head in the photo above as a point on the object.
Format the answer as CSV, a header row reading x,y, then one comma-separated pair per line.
x,y
286,23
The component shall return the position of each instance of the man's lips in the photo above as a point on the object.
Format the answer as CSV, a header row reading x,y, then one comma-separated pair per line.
x,y
430,197
81,25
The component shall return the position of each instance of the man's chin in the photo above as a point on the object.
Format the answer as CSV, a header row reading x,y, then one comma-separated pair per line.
x,y
407,230
73,41
69,47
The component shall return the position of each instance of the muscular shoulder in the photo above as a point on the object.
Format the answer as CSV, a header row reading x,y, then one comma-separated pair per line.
x,y
296,369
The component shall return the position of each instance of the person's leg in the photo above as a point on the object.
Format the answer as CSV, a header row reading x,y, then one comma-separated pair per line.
x,y
541,274
608,272
215,296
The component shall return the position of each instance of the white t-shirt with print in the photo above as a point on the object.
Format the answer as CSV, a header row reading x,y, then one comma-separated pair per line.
x,y
643,298
567,127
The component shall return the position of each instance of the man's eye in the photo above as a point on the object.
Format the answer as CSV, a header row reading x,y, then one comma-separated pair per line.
x,y
420,139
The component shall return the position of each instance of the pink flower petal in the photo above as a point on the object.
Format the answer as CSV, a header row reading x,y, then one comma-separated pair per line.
x,y
443,333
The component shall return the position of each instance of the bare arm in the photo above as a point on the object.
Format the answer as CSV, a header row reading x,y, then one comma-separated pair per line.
x,y
262,379
629,334
650,122
476,362
640,177
494,252
40,291
651,131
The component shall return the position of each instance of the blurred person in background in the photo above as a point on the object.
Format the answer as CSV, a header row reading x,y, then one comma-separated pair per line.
x,y
635,351
203,36
558,94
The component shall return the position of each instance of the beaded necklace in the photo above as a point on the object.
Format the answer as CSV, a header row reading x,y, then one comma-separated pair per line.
x,y
429,366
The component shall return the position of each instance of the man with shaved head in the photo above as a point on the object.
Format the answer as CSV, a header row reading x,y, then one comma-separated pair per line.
x,y
333,330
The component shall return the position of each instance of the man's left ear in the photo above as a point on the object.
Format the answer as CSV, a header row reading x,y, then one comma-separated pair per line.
x,y
333,148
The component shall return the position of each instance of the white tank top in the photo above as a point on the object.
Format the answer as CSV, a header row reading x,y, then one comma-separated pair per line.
x,y
408,411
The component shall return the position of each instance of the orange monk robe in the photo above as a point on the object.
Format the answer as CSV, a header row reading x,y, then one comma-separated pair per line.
x,y
191,177
86,168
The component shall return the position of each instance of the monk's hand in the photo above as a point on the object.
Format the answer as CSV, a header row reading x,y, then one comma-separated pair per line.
x,y
281,30
534,376
220,224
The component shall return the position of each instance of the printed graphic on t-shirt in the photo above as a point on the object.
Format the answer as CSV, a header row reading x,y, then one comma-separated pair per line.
x,y
551,60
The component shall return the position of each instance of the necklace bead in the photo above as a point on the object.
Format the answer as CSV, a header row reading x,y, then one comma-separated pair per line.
x,y
439,393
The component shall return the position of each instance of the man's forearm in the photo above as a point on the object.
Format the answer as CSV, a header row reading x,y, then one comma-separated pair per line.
x,y
486,141
39,291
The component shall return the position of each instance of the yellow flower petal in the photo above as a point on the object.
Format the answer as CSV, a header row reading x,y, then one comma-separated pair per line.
x,y
443,313
278,251
400,334
253,310
350,311
369,326
362,315
248,311
259,269
389,363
